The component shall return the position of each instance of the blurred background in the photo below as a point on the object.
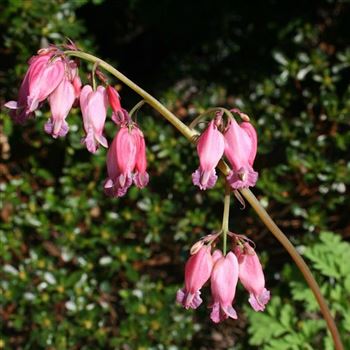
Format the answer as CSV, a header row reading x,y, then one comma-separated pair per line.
x,y
80,270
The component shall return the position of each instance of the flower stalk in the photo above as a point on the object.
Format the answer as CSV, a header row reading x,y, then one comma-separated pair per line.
x,y
191,135
226,216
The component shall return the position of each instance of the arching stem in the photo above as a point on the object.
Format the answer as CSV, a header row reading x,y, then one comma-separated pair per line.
x,y
176,122
267,220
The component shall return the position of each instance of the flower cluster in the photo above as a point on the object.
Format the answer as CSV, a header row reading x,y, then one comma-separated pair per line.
x,y
224,272
53,77
238,142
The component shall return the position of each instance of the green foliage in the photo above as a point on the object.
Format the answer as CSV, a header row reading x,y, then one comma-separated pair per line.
x,y
294,321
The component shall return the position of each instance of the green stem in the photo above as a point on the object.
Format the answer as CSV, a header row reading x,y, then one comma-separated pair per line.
x,y
136,107
267,220
176,122
226,216
93,76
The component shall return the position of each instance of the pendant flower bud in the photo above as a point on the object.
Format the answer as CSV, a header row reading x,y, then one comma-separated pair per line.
x,y
77,86
252,277
197,272
94,109
240,150
223,280
118,116
210,148
72,74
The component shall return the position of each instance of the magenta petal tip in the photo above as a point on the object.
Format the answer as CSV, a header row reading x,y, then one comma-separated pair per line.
x,y
243,178
188,300
258,303
205,179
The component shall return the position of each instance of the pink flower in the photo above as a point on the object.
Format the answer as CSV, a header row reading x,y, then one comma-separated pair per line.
x,y
223,280
61,102
252,277
240,150
210,149
121,160
197,272
44,78
141,177
94,109
118,116
126,161
44,74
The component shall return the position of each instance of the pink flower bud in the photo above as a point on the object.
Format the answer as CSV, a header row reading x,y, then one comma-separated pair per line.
x,y
61,102
223,280
240,150
210,149
141,177
252,277
72,74
197,273
77,86
118,115
94,109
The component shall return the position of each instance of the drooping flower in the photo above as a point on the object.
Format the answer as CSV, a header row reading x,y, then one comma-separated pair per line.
x,y
61,102
126,161
252,277
44,79
121,159
94,106
118,116
210,149
141,176
240,150
197,272
223,280
44,74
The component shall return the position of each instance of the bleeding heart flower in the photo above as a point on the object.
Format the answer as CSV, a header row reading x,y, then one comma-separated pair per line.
x,y
61,102
210,148
94,106
223,281
197,272
44,74
240,150
252,277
